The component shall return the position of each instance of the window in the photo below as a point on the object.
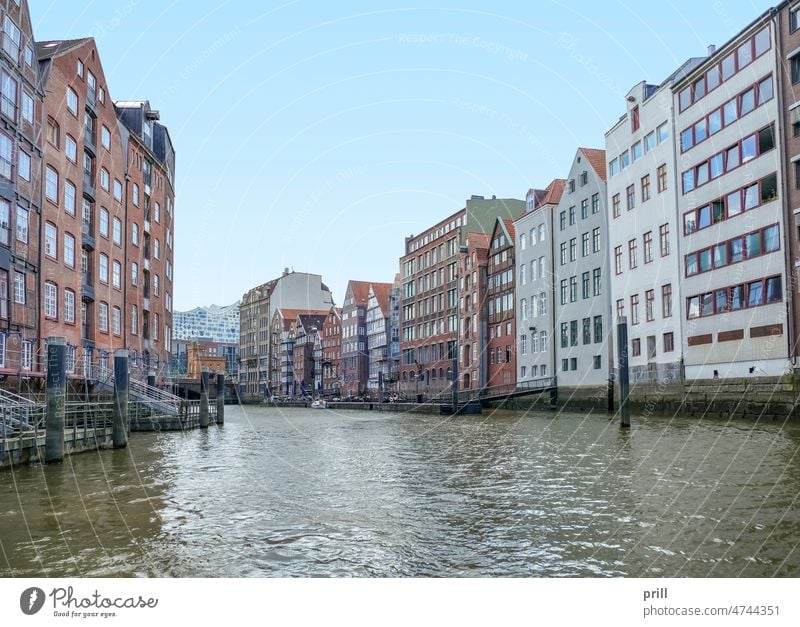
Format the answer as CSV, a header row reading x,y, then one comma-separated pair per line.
x,y
51,185
663,133
5,222
563,249
645,187
631,197
52,132
615,204
635,309
135,234
669,342
117,190
72,101
22,224
105,137
572,216
618,260
116,272
573,333
794,23
584,244
157,255
104,179
649,302
564,336
116,321
573,249
596,240
19,288
584,208
573,289
596,282
585,284
636,151
157,213
135,274
663,235
596,203
117,231
24,164
71,149
69,306
620,308
27,355
649,141
103,222
103,268
9,94
6,155
50,300
69,250
632,254
666,300
50,245
11,38
134,320
636,347
102,317
635,119
587,330
136,194
598,329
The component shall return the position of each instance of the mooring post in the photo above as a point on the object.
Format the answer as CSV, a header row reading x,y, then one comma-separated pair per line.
x,y
56,395
119,433
220,398
624,385
455,385
151,378
204,398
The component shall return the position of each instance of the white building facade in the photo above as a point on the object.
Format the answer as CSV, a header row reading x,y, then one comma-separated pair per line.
x,y
730,210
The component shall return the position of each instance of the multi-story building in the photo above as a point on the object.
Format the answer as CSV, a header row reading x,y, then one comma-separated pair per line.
x,y
535,310
332,353
83,255
429,302
502,369
149,192
642,214
472,329
294,290
355,354
581,278
283,331
788,52
382,366
305,333
734,288
21,124
221,324
182,352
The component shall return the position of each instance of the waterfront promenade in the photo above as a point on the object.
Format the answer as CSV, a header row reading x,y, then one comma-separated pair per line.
x,y
301,492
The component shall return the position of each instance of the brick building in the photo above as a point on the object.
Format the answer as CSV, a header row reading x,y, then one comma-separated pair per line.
x,y
332,353
355,354
430,294
501,316
473,330
21,115
304,333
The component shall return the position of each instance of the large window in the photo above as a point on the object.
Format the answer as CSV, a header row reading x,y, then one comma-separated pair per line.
x,y
50,300
735,297
744,199
5,222
51,184
6,156
102,317
747,246
22,224
103,268
9,91
666,300
50,240
69,306
11,38
69,250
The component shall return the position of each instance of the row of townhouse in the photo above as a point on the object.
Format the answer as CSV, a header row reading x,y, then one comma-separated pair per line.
x,y
86,212
295,342
685,225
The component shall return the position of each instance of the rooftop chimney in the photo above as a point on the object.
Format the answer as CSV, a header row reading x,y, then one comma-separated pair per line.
x,y
285,271
711,49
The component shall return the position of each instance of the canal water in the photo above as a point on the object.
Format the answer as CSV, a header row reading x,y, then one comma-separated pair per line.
x,y
300,492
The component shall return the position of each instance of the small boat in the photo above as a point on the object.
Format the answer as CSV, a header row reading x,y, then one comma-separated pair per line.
x,y
319,404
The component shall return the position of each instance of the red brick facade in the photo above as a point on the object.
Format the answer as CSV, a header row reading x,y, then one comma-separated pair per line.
x,y
502,368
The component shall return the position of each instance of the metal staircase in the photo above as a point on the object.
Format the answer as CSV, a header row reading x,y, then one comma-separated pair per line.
x,y
19,414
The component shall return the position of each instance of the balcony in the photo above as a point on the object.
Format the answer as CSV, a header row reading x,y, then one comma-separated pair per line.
x,y
88,186
87,236
87,287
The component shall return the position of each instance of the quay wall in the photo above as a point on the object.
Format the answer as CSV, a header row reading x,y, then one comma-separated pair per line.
x,y
29,447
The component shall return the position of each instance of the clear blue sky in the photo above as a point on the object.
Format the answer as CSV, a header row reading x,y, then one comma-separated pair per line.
x,y
316,135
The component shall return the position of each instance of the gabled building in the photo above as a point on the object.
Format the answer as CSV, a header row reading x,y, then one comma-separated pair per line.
x,y
535,303
583,310
355,354
473,330
332,353
21,147
502,375
381,301
286,324
305,333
